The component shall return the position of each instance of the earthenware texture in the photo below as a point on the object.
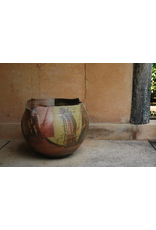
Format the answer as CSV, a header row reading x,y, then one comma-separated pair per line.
x,y
54,127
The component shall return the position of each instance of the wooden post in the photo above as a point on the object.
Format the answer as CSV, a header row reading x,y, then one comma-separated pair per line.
x,y
140,110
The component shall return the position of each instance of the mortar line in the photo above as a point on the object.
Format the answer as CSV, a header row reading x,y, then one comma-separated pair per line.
x,y
39,79
5,144
85,94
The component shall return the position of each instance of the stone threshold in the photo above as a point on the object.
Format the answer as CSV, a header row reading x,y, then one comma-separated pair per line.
x,y
99,131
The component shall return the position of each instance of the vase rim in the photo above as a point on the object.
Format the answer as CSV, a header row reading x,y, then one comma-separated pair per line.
x,y
51,102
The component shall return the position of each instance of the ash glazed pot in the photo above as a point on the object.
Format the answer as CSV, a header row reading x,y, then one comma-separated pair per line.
x,y
54,127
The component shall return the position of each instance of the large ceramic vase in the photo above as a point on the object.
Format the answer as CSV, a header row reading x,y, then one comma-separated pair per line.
x,y
54,127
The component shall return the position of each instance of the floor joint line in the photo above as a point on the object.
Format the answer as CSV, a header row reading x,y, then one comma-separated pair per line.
x,y
5,144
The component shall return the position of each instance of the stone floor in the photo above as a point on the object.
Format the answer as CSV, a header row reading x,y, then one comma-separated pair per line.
x,y
92,153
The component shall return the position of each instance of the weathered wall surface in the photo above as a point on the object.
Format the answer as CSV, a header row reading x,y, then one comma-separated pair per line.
x,y
109,92
105,89
18,82
62,80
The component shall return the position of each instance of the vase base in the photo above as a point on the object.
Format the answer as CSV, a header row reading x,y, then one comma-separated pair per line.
x,y
55,156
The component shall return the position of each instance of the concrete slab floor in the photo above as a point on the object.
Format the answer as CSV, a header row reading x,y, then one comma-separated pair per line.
x,y
92,153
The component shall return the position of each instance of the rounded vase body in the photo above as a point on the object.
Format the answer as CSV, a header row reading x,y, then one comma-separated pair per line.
x,y
54,127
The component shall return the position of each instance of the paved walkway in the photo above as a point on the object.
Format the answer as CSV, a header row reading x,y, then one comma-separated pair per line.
x,y
92,153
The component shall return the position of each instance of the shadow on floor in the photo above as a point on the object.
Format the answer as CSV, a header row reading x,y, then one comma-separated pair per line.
x,y
24,150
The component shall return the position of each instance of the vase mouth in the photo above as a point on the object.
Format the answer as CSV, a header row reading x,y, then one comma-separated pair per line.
x,y
51,102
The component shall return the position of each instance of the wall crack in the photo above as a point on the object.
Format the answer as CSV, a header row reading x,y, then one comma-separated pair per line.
x,y
85,93
38,64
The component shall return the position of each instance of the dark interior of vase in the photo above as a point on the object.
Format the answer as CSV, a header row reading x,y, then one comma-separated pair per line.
x,y
51,102
63,101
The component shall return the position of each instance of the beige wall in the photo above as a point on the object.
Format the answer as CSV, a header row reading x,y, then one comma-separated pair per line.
x,y
105,89
109,92
17,83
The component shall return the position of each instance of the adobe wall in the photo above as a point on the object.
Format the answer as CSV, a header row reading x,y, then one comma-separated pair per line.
x,y
109,92
105,89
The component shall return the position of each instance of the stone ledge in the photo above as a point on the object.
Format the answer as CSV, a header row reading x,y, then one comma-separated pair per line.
x,y
147,131
99,131
10,131
110,131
